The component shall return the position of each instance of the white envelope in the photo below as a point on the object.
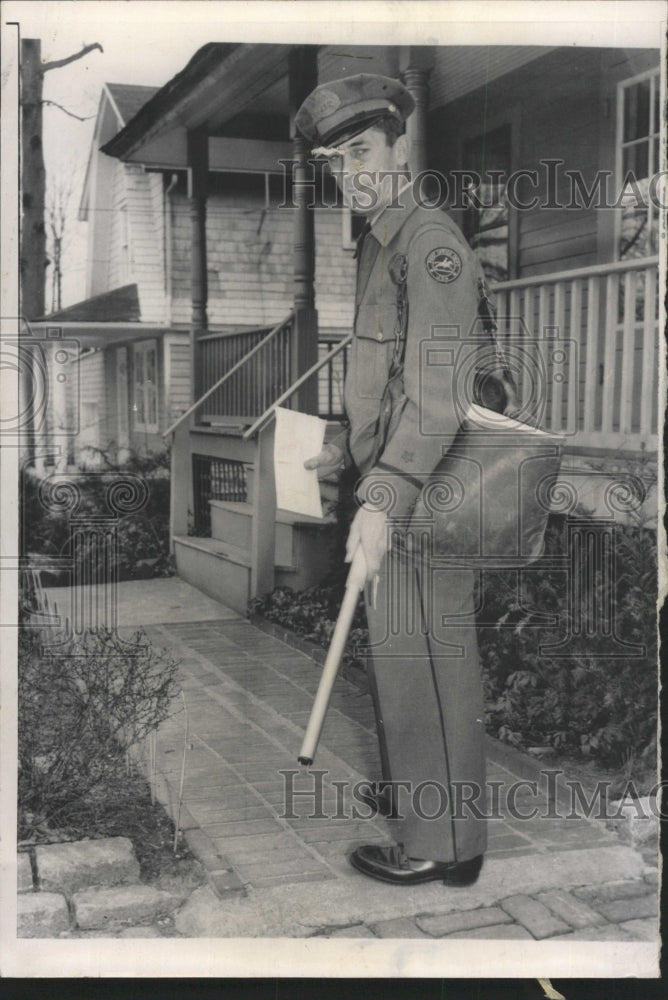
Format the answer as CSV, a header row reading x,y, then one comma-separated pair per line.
x,y
298,436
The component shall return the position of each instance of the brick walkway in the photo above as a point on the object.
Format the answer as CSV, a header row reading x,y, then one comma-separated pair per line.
x,y
247,699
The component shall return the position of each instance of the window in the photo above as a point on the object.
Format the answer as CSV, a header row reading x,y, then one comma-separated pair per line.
x,y
638,123
486,222
145,400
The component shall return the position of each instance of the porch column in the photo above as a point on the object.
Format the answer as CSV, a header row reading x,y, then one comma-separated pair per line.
x,y
304,347
198,168
415,64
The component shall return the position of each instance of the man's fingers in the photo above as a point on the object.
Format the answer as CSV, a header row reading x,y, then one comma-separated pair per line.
x,y
323,458
329,456
372,563
352,542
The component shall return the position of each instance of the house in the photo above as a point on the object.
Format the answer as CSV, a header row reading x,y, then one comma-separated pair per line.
x,y
134,371
546,156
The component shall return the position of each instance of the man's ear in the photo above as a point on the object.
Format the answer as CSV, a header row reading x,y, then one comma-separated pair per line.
x,y
402,149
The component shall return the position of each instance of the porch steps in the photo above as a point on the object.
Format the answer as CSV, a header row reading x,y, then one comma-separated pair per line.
x,y
215,567
221,570
221,565
300,553
236,427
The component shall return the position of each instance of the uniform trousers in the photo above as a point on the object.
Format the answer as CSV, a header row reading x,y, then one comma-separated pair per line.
x,y
425,678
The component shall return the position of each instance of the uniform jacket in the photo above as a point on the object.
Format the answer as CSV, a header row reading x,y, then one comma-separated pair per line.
x,y
442,311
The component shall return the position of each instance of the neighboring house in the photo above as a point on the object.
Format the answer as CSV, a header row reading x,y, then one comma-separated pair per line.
x,y
199,224
135,369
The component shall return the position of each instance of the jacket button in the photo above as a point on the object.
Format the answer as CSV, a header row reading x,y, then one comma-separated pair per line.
x,y
379,335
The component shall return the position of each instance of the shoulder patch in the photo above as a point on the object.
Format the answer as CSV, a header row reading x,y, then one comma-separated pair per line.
x,y
443,264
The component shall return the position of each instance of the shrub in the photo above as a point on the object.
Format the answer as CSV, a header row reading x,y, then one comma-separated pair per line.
x,y
81,707
596,701
143,542
589,703
312,614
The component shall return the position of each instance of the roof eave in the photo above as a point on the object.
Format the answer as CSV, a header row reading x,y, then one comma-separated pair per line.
x,y
168,98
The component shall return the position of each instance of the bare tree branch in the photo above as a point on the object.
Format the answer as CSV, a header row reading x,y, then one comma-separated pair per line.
x,y
57,63
57,218
54,104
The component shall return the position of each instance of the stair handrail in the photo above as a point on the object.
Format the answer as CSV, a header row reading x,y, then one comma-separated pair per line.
x,y
228,374
269,412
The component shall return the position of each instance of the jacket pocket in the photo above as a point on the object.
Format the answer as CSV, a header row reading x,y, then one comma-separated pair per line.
x,y
372,349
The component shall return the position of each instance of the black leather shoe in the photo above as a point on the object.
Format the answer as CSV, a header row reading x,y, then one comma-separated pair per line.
x,y
380,800
390,864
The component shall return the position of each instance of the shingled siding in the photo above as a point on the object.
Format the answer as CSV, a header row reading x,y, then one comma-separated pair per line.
x,y
250,261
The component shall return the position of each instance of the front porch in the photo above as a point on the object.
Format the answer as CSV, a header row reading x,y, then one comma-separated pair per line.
x,y
583,345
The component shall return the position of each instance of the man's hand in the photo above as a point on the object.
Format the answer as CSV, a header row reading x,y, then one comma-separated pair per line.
x,y
369,529
329,460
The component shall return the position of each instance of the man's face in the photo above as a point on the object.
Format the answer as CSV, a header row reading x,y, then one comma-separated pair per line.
x,y
369,171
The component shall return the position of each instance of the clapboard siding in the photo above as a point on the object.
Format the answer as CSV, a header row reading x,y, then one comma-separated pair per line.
x,y
92,377
145,217
334,273
177,354
457,68
561,106
93,397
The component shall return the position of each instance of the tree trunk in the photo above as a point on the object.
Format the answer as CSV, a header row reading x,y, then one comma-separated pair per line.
x,y
33,177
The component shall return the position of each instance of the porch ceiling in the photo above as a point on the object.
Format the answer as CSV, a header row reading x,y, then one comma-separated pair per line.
x,y
219,82
225,88
99,334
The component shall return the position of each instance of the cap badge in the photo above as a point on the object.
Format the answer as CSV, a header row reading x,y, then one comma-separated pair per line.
x,y
443,264
325,101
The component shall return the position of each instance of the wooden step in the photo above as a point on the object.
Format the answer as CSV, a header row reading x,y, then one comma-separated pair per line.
x,y
222,571
224,550
282,516
215,547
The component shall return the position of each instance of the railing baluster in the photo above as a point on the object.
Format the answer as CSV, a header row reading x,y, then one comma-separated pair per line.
x,y
512,304
609,352
628,353
558,377
543,321
526,336
575,333
649,347
591,355
330,382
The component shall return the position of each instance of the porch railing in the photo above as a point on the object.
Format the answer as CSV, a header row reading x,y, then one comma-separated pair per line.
x,y
215,479
253,385
241,374
588,340
331,379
